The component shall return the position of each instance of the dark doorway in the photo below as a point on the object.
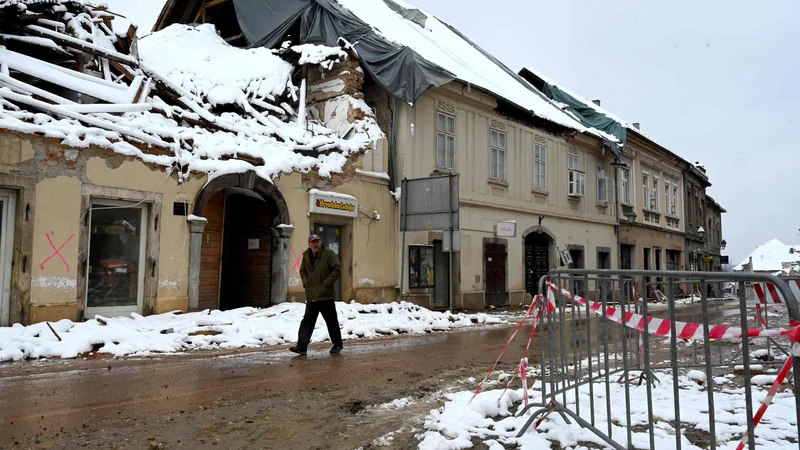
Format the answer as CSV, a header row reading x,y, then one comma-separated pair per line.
x,y
625,257
603,262
495,267
331,236
578,285
441,277
247,250
537,260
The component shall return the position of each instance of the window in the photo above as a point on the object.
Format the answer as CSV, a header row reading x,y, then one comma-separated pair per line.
x,y
645,188
539,167
654,197
674,206
445,141
625,185
671,196
497,148
602,185
117,254
577,179
420,266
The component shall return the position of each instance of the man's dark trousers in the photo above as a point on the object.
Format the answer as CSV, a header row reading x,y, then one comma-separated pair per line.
x,y
328,310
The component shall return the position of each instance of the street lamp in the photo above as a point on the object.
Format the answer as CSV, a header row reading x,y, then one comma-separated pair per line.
x,y
722,244
701,231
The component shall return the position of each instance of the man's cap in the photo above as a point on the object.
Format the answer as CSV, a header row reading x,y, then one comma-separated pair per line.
x,y
313,238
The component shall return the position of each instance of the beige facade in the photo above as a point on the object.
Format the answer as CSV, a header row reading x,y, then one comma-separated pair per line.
x,y
651,189
581,223
59,191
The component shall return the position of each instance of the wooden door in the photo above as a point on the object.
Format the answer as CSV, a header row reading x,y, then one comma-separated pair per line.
x,y
537,261
211,252
495,267
441,277
247,256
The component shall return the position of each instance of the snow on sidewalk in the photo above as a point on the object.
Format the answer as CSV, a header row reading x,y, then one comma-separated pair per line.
x,y
214,329
458,425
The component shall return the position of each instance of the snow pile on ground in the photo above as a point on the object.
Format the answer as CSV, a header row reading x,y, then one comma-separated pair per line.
x,y
214,329
457,425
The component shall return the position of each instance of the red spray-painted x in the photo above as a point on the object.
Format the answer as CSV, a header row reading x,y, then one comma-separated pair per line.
x,y
56,252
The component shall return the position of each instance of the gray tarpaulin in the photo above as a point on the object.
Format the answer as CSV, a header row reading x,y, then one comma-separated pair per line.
x,y
589,116
400,70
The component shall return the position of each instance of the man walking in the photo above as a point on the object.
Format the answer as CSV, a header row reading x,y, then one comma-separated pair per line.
x,y
319,271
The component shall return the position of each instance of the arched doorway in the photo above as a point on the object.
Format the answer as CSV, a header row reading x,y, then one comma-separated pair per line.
x,y
242,251
538,245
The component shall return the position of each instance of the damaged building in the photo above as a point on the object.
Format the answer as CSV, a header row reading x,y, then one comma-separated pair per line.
x,y
140,176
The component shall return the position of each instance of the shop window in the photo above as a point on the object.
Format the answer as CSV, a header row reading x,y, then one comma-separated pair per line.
x,y
420,266
116,257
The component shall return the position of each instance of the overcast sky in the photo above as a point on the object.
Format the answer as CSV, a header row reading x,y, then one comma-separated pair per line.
x,y
714,81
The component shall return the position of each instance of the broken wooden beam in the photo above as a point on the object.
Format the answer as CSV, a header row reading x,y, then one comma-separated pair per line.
x,y
87,47
54,331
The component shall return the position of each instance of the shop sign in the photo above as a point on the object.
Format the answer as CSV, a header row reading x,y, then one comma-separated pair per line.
x,y
333,204
506,229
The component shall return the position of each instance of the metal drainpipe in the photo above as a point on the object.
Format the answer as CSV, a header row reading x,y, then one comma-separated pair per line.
x,y
393,185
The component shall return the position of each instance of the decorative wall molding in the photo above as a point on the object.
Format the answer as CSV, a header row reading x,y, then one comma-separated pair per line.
x,y
446,107
497,125
539,139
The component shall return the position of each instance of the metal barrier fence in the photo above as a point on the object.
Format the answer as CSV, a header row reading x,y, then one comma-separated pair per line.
x,y
584,354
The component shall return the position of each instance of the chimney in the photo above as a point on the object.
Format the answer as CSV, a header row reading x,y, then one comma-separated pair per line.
x,y
636,125
596,102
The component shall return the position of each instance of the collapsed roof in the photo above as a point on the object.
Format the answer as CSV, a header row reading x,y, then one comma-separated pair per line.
x,y
169,98
404,49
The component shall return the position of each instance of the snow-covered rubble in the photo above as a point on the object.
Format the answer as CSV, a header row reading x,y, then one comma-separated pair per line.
x,y
169,98
214,329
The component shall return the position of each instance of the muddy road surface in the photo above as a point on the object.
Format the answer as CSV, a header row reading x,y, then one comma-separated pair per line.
x,y
253,399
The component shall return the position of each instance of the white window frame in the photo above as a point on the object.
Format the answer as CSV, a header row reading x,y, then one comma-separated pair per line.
x,y
8,218
497,147
539,167
675,202
602,184
645,189
576,179
442,135
91,312
655,194
625,186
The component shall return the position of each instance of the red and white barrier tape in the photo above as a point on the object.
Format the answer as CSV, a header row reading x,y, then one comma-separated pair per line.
x,y
768,294
683,330
662,327
787,366
533,311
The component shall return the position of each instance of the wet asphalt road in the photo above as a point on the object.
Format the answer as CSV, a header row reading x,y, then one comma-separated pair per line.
x,y
266,398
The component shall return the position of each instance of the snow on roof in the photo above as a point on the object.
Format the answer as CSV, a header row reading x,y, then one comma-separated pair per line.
x,y
772,256
438,43
178,104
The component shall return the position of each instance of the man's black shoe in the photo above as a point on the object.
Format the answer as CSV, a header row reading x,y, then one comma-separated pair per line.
x,y
337,348
298,350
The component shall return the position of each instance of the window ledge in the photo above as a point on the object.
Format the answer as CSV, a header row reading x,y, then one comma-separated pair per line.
x,y
540,191
445,171
498,182
575,198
